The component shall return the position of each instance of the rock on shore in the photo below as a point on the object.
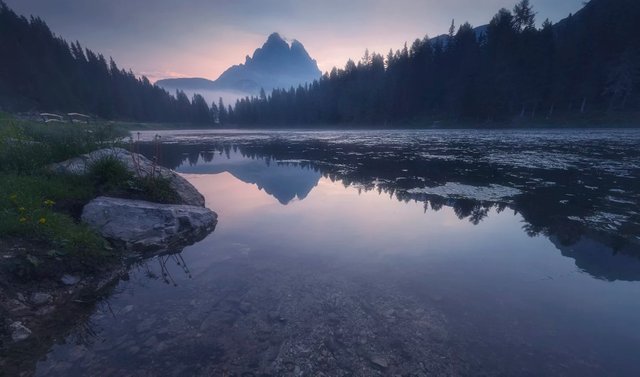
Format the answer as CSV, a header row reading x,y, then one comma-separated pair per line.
x,y
141,226
138,165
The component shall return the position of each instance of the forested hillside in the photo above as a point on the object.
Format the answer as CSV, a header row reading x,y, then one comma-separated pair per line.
x,y
586,65
42,72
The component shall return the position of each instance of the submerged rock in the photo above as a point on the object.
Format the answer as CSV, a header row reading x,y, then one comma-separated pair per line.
x,y
45,310
138,165
380,362
40,298
67,279
141,226
19,332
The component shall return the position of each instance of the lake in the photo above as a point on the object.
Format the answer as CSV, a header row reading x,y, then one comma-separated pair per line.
x,y
362,253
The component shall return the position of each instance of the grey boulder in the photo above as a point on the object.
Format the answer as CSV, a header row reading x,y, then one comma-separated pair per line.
x,y
138,165
144,226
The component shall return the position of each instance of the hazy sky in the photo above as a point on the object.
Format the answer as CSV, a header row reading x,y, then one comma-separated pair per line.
x,y
201,38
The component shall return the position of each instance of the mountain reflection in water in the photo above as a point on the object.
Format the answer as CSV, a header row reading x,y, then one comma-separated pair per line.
x,y
376,253
284,181
579,219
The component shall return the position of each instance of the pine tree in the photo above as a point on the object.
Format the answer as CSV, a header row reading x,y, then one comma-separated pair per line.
x,y
45,73
214,113
222,112
524,16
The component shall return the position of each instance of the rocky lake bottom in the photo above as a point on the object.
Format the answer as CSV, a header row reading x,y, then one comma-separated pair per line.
x,y
417,253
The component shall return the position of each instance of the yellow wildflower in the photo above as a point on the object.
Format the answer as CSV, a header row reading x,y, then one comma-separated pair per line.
x,y
22,209
13,196
42,220
49,202
23,219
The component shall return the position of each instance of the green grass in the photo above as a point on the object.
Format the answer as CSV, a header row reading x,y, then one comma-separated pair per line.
x,y
5,116
37,208
28,146
157,189
40,207
109,174
110,177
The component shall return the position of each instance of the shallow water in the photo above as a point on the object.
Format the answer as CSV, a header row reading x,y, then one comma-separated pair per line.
x,y
375,253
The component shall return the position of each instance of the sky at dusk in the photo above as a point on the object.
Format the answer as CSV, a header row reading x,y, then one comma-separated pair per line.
x,y
201,38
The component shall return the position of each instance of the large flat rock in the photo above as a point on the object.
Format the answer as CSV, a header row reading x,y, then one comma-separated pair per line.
x,y
138,165
144,226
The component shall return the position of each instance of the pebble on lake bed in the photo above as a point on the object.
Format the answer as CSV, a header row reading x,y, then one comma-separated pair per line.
x,y
19,332
39,298
380,361
69,279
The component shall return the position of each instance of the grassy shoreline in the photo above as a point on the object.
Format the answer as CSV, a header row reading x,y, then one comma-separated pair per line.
x,y
45,249
42,240
43,208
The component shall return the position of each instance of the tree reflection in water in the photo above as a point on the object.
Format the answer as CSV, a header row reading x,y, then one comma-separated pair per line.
x,y
580,197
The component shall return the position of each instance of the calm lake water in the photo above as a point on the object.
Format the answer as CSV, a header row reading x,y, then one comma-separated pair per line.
x,y
417,253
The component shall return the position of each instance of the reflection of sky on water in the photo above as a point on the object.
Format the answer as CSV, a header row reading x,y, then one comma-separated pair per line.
x,y
288,180
510,303
565,183
493,275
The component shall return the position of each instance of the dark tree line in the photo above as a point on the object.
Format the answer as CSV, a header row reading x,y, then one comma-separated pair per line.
x,y
589,63
42,72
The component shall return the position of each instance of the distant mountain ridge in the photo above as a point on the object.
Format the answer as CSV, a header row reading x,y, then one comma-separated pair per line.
x,y
581,71
277,64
